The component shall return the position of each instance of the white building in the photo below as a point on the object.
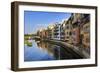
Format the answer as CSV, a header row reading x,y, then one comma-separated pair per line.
x,y
56,31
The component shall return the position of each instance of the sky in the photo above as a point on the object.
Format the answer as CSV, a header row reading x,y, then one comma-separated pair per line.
x,y
35,20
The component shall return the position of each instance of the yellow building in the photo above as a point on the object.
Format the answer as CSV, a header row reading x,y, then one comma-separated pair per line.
x,y
50,30
85,32
86,35
68,30
76,22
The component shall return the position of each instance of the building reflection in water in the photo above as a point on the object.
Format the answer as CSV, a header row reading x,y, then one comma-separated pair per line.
x,y
42,50
51,49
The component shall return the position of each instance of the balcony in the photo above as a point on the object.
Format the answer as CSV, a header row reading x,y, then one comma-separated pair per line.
x,y
56,30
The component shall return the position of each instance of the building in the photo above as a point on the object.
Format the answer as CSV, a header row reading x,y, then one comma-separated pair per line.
x,y
62,32
81,30
76,22
68,30
50,30
56,31
85,31
42,33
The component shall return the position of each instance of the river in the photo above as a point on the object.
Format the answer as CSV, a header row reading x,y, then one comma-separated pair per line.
x,y
42,50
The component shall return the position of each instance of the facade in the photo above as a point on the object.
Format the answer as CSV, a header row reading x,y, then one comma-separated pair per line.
x,y
81,30
50,30
56,31
43,33
76,22
85,31
68,30
86,35
62,32
76,35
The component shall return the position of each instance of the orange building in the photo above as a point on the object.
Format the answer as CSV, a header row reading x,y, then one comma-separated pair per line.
x,y
85,31
43,33
76,35
76,28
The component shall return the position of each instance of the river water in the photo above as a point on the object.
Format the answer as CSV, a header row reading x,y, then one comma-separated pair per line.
x,y
41,50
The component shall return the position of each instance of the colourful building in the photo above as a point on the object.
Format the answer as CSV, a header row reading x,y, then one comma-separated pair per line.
x,y
42,33
62,31
76,20
68,30
50,30
85,31
56,31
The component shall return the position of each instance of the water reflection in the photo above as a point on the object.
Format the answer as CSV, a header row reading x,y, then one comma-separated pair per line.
x,y
40,50
37,50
